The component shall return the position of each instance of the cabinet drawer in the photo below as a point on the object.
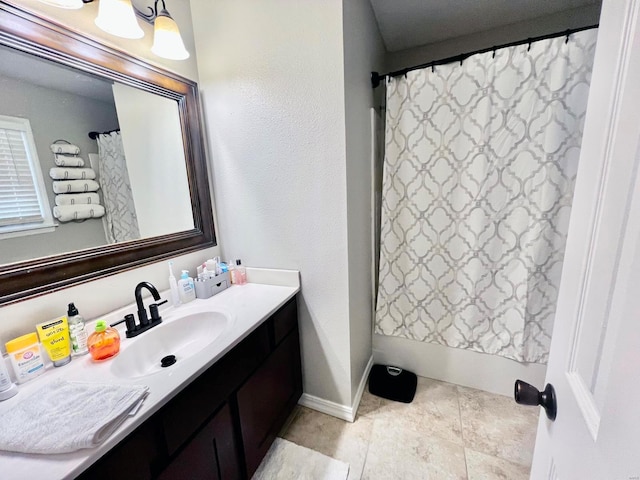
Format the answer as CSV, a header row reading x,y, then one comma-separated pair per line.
x,y
284,320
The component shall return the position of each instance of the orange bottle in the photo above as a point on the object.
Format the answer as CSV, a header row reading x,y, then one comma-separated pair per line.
x,y
104,343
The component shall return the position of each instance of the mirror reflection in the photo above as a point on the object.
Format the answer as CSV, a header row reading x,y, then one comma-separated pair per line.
x,y
62,191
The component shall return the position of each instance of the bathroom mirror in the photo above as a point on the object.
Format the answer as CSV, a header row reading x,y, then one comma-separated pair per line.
x,y
157,117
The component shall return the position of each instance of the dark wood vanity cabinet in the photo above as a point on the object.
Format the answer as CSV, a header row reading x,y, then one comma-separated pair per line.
x,y
222,424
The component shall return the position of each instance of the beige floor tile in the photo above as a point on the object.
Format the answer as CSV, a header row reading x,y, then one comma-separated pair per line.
x,y
497,426
397,453
433,412
486,467
333,437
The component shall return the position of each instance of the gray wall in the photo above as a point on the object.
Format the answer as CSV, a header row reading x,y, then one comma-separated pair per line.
x,y
573,18
363,52
55,115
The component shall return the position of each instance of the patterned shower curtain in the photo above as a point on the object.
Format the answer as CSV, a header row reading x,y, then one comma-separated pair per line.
x,y
480,164
120,221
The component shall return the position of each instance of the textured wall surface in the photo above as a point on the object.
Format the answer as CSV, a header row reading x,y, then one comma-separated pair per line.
x,y
272,82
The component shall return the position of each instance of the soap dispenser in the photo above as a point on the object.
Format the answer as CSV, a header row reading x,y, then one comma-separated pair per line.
x,y
186,287
104,343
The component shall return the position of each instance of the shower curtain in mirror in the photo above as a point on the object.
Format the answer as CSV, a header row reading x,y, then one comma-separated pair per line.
x,y
120,221
479,170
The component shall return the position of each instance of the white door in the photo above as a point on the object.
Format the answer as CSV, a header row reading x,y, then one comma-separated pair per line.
x,y
595,352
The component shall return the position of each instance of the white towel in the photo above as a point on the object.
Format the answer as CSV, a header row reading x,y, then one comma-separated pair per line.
x,y
62,160
77,199
58,173
67,416
75,186
65,148
69,213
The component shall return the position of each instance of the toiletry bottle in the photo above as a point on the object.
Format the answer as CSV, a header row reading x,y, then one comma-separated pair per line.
x,y
26,357
231,265
7,387
240,273
77,332
173,285
186,287
54,337
104,343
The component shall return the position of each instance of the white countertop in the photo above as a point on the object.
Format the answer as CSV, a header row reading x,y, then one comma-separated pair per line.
x,y
248,305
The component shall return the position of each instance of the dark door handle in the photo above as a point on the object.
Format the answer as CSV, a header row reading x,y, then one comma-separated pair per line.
x,y
526,394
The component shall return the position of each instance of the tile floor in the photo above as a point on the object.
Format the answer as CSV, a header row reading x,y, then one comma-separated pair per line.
x,y
447,432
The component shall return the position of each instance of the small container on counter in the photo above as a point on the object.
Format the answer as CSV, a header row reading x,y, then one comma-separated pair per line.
x,y
54,336
104,343
7,387
25,356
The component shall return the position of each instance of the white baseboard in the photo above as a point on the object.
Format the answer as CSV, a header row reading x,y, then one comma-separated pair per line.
x,y
325,406
337,410
361,387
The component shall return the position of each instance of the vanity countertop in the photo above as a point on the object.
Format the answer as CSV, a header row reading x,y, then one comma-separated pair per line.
x,y
248,305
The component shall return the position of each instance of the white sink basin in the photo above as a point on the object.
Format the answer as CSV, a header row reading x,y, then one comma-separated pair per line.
x,y
182,337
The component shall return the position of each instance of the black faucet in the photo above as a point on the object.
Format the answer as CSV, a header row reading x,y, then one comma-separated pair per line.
x,y
142,313
146,323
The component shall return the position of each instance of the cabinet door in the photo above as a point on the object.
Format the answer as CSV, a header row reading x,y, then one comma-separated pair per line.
x,y
267,398
211,454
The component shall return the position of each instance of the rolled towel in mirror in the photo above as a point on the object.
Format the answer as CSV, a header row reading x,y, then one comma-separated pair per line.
x,y
69,213
62,160
65,148
77,199
75,186
58,173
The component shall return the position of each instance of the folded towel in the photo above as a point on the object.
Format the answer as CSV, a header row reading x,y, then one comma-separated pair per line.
x,y
69,213
77,199
65,148
75,186
58,173
66,416
63,160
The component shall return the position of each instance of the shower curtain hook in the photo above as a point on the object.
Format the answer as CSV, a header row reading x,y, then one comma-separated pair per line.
x,y
566,40
433,67
529,47
493,55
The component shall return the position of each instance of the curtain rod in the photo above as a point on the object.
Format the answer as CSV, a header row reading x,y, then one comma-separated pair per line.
x,y
377,78
94,135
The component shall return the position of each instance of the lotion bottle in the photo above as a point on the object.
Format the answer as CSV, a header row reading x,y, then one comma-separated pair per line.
x,y
186,287
240,273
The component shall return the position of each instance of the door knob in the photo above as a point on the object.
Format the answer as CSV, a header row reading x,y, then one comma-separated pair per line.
x,y
525,394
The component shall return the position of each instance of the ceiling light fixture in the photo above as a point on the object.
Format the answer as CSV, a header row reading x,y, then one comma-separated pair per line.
x,y
118,17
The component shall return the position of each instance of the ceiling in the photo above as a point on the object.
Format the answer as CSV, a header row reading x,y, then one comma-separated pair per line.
x,y
411,23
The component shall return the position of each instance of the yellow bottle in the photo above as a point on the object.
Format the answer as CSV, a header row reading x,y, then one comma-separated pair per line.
x,y
104,343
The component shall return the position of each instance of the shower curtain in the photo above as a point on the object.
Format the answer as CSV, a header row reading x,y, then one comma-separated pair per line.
x,y
479,170
120,221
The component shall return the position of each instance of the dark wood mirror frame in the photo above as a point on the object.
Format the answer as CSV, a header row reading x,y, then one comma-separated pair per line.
x,y
24,31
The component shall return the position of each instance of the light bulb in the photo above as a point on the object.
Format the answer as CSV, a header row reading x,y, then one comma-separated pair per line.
x,y
117,18
167,42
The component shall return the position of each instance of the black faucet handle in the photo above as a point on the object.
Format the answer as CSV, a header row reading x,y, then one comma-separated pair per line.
x,y
155,315
129,320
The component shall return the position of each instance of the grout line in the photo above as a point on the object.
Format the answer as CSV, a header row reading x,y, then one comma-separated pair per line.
x,y
464,443
366,455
